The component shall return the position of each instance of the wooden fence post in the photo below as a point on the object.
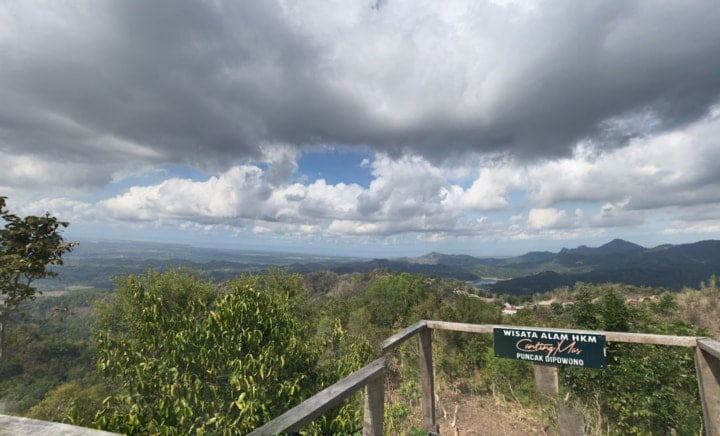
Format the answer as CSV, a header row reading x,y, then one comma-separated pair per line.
x,y
374,406
570,422
428,381
546,380
707,366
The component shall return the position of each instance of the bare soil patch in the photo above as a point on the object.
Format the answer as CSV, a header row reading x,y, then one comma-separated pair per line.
x,y
468,415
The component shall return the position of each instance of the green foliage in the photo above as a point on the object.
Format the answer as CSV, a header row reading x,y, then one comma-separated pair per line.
x,y
614,312
510,379
344,353
321,282
192,357
41,364
183,354
391,299
584,312
28,247
646,389
74,402
463,353
47,346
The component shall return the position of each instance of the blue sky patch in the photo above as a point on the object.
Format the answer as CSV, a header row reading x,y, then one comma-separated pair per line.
x,y
336,165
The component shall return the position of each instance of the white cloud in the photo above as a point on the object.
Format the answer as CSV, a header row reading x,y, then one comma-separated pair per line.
x,y
673,168
545,218
65,209
705,227
407,194
491,188
29,173
498,119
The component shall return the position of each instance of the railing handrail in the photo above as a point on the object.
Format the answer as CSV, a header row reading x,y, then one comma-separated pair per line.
x,y
707,357
397,339
710,346
314,407
633,338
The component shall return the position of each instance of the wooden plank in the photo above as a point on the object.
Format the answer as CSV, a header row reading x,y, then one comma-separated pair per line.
x,y
710,347
707,366
427,380
15,425
546,379
397,339
374,407
303,414
570,421
460,327
636,338
649,338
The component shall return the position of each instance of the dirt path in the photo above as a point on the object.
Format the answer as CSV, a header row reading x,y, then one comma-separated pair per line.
x,y
481,415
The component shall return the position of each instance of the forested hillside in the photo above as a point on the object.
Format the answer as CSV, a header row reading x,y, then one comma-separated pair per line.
x,y
94,264
178,352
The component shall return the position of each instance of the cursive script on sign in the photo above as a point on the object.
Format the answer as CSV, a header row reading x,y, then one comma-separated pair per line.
x,y
528,346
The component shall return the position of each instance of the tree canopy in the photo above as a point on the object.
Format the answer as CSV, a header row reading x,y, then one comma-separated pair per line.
x,y
194,357
28,247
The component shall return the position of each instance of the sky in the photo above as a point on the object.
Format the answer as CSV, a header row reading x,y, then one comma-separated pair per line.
x,y
377,128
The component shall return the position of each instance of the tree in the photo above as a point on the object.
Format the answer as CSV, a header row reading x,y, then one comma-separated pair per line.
x,y
391,299
193,357
584,312
616,316
28,247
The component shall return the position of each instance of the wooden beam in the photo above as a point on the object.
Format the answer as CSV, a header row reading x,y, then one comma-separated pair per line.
x,y
398,338
546,380
636,338
374,407
648,338
460,327
707,366
710,347
15,425
303,414
547,386
427,380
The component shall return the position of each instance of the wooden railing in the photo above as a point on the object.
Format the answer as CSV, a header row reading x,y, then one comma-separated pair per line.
x,y
371,377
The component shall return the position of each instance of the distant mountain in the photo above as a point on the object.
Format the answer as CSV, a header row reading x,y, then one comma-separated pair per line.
x,y
536,256
614,247
95,263
457,260
670,266
431,269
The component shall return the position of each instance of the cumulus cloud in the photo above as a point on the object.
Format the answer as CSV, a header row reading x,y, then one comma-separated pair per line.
x,y
28,173
485,119
545,218
676,168
408,194
209,83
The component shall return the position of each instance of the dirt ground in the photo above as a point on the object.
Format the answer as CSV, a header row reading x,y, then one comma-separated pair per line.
x,y
481,415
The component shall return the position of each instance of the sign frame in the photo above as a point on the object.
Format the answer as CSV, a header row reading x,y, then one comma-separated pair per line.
x,y
554,347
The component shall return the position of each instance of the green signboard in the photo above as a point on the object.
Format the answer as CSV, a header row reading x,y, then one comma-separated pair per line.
x,y
553,347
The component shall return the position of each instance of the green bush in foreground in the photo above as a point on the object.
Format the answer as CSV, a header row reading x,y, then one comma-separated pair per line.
x,y
192,357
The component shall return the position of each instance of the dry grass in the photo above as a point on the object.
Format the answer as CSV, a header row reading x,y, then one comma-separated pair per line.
x,y
701,308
